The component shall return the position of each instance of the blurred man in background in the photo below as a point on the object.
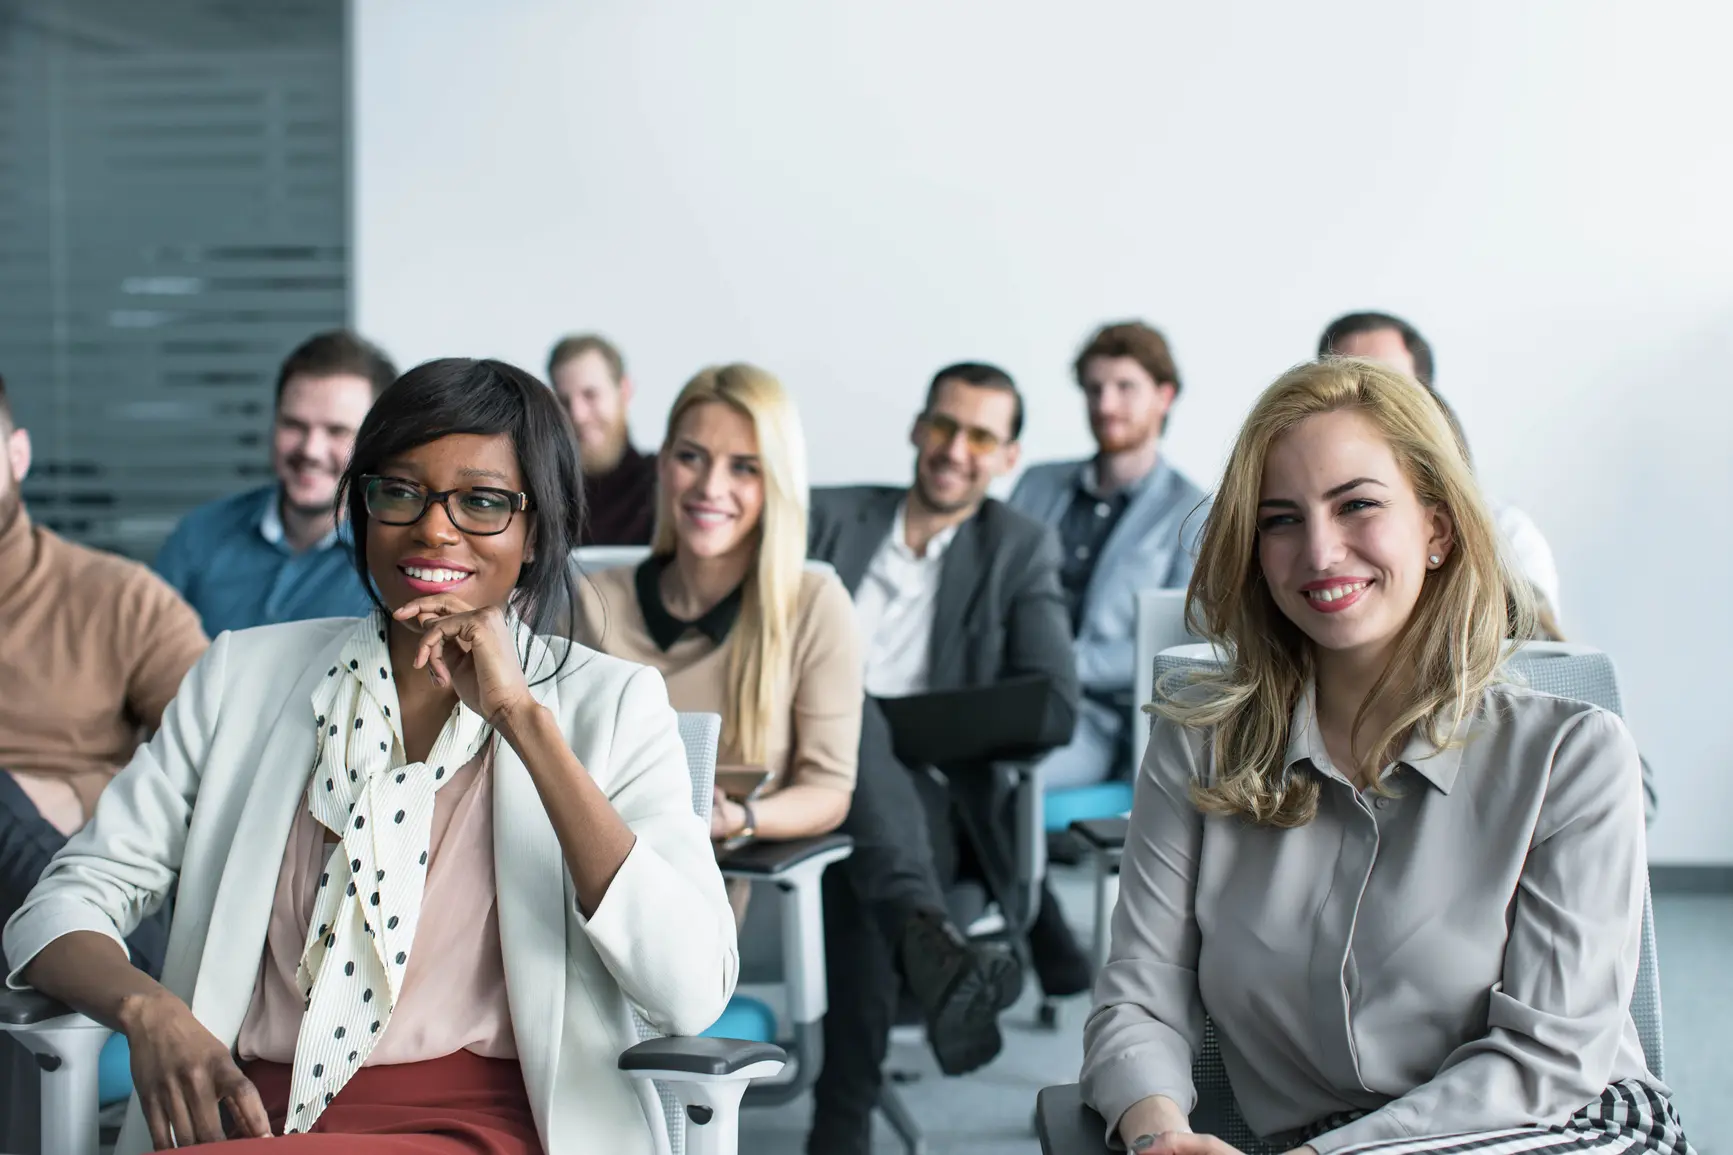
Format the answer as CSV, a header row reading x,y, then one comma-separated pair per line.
x,y
94,648
590,377
1125,520
280,553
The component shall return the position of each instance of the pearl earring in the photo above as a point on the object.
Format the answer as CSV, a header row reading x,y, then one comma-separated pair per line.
x,y
1433,559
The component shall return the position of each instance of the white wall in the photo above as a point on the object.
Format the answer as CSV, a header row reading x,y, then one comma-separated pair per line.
x,y
853,194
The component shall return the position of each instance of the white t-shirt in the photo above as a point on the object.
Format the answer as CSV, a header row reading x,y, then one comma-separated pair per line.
x,y
1530,552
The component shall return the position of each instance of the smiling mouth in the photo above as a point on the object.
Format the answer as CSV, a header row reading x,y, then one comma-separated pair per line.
x,y
708,518
432,576
1335,593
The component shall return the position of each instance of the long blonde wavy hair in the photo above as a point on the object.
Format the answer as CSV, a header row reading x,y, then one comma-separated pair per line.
x,y
1451,649
764,634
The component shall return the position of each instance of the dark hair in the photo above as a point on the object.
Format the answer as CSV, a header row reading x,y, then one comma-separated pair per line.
x,y
1356,323
981,376
6,420
1455,426
1141,342
458,395
334,352
571,348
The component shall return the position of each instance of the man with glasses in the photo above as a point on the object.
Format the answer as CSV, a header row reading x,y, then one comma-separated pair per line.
x,y
279,553
952,590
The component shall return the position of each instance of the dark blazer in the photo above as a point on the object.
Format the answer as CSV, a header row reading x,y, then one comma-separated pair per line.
x,y
1001,611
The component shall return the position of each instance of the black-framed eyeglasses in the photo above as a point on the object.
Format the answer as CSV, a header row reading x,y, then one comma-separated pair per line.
x,y
478,509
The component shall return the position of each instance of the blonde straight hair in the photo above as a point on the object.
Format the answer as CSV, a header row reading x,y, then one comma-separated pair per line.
x,y
764,635
1452,648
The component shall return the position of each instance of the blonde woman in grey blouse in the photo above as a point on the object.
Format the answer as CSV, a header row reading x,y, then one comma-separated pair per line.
x,y
1408,893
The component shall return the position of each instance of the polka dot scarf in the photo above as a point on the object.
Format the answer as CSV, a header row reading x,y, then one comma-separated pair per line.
x,y
369,897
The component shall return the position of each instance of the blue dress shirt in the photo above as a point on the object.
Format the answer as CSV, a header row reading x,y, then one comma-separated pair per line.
x,y
233,564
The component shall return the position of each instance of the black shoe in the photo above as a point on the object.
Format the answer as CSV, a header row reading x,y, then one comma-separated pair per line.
x,y
961,987
832,1137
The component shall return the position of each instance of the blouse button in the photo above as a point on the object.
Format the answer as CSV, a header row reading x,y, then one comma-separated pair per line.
x,y
1382,803
1102,509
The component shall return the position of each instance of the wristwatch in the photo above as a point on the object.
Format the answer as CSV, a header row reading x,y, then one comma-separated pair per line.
x,y
751,827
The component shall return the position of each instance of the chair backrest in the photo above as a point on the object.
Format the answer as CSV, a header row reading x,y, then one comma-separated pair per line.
x,y
700,733
1561,669
596,558
1160,626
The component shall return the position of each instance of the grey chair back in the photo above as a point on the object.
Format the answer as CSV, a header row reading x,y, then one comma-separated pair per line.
x,y
596,558
1566,671
701,733
1160,626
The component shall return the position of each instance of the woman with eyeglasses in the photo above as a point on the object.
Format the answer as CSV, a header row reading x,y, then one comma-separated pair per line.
x,y
725,608
425,863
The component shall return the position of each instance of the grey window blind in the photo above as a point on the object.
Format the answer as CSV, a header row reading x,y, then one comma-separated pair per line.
x,y
173,220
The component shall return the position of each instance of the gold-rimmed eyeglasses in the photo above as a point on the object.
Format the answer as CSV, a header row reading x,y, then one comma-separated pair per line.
x,y
941,429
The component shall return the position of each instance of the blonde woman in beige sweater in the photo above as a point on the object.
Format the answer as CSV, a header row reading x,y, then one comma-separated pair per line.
x,y
726,610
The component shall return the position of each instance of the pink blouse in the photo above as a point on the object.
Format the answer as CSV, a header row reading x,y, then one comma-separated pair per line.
x,y
454,996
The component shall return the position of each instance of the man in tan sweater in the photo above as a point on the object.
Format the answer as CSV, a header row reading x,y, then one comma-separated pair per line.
x,y
92,648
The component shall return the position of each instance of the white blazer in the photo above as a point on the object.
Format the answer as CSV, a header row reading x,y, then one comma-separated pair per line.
x,y
209,802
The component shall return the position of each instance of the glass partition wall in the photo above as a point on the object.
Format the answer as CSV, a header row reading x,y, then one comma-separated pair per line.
x,y
173,220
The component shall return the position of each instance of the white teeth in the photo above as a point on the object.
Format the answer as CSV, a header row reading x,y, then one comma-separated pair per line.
x,y
1335,593
437,576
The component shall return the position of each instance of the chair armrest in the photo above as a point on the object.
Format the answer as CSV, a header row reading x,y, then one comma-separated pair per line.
x,y
29,1008
1101,834
795,871
771,860
1065,1125
678,1055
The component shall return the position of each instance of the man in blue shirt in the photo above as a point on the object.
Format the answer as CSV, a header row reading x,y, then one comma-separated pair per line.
x,y
278,553
1127,521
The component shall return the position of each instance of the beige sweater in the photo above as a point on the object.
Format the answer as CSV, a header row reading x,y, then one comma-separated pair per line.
x,y
92,647
816,738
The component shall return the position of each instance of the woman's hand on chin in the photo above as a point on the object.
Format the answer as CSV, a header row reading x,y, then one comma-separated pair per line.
x,y
471,651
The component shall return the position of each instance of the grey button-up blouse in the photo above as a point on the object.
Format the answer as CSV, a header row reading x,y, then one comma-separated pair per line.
x,y
1457,958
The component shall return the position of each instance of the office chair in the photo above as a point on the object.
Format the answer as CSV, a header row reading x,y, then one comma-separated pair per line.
x,y
1079,810
1067,1126
780,999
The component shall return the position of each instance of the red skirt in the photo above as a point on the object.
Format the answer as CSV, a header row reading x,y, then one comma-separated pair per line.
x,y
461,1104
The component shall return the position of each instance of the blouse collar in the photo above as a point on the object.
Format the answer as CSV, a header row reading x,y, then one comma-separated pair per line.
x,y
664,628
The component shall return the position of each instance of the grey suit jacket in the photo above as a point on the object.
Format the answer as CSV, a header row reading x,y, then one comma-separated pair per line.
x,y
1001,613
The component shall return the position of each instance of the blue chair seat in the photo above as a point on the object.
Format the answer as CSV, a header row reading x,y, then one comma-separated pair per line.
x,y
114,1071
1103,800
746,1018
